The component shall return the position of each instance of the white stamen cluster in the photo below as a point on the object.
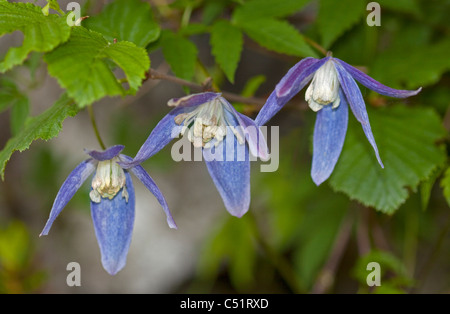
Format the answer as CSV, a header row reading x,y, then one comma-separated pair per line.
x,y
324,88
109,179
206,122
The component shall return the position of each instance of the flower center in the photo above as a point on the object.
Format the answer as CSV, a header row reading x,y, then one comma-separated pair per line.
x,y
109,179
206,122
324,88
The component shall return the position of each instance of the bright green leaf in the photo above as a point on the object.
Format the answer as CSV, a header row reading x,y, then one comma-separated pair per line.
x,y
227,43
335,17
445,183
267,9
276,35
82,66
44,126
406,138
127,20
180,53
41,33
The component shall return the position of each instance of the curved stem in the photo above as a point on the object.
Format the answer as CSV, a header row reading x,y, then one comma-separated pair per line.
x,y
94,125
315,45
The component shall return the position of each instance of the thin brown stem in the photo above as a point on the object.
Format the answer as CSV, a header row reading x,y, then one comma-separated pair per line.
x,y
94,126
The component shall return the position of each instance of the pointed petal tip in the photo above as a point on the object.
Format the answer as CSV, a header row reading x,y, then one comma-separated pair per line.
x,y
172,224
318,180
113,268
237,212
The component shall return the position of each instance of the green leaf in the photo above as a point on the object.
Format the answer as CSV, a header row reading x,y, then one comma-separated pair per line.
x,y
41,33
336,17
406,139
12,97
9,93
52,4
127,20
44,126
227,43
393,272
194,29
445,184
19,113
180,53
425,64
403,6
267,9
212,10
82,66
427,185
276,35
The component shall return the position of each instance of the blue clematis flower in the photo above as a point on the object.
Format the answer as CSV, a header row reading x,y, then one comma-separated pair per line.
x,y
225,136
332,88
112,202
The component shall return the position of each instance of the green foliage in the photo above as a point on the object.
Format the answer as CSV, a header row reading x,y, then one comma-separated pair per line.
x,y
180,53
233,243
227,43
403,6
409,154
424,65
336,17
44,126
17,274
81,66
268,9
11,97
41,33
276,35
127,20
393,273
445,183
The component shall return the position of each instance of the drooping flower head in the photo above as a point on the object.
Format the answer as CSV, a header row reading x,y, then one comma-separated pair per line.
x,y
112,202
210,122
332,89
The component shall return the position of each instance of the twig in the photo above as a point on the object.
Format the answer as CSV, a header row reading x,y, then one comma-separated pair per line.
x,y
155,75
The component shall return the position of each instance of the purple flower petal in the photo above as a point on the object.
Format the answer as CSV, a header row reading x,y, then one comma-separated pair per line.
x,y
68,189
296,78
113,223
356,101
162,134
270,108
231,176
372,84
255,138
145,178
193,100
108,154
329,136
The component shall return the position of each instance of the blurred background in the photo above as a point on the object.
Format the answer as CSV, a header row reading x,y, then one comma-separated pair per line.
x,y
296,238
